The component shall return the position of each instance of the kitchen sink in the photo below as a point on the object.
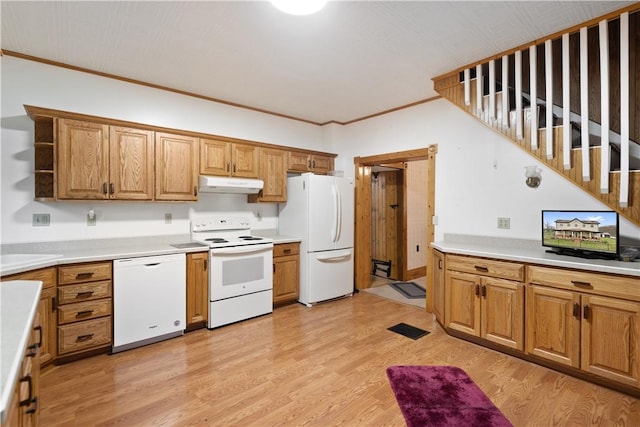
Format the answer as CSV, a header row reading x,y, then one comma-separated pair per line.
x,y
8,261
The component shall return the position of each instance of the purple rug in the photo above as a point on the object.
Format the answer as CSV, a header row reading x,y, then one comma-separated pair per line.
x,y
442,396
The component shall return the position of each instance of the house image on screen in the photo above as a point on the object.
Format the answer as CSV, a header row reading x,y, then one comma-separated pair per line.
x,y
578,229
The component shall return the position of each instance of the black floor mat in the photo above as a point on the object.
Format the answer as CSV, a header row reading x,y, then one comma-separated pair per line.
x,y
408,331
409,289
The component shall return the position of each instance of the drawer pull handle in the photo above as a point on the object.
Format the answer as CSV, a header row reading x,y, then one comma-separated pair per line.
x,y
35,406
83,338
85,313
85,294
576,310
481,268
27,378
581,284
86,275
287,251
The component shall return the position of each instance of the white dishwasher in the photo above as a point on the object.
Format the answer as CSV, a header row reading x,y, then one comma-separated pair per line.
x,y
149,300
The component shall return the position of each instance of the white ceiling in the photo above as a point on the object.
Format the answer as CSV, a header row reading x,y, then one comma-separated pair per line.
x,y
351,60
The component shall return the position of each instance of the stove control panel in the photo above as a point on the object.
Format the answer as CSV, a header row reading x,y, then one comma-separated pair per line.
x,y
219,223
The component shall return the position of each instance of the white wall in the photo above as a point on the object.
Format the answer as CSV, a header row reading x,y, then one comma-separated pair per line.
x,y
32,83
479,174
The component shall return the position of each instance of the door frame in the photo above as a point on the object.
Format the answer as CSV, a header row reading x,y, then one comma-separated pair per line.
x,y
362,229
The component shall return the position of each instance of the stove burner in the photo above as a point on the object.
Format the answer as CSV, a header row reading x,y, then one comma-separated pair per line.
x,y
249,238
216,240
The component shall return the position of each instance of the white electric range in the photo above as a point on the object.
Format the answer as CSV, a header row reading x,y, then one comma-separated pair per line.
x,y
240,269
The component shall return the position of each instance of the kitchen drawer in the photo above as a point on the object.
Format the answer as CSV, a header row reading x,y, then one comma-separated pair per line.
x,y
84,335
486,267
88,272
84,292
285,249
84,311
592,283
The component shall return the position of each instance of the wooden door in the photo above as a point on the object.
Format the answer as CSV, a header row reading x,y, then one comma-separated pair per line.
x,y
503,312
553,325
608,324
273,171
463,302
197,290
131,173
83,160
215,157
386,220
244,160
438,285
176,167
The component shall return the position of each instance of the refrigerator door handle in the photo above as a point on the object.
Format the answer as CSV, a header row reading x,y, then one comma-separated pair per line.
x,y
334,255
335,224
339,212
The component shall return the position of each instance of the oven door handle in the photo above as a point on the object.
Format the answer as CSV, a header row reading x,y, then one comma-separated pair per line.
x,y
242,249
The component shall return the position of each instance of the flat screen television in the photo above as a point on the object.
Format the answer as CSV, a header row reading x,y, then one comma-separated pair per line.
x,y
586,234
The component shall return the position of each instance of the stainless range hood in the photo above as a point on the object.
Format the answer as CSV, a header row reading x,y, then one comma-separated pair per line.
x,y
222,184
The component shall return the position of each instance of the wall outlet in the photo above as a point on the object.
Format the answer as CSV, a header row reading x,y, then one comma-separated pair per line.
x,y
91,219
41,220
504,223
168,217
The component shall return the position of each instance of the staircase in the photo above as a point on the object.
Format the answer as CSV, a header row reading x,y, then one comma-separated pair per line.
x,y
483,99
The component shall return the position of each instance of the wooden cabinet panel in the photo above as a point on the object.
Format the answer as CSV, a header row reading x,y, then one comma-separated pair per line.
x,y
86,272
273,171
299,161
486,267
197,290
131,171
321,164
176,167
84,335
502,308
84,311
438,271
608,324
553,325
47,310
463,302
84,292
83,160
286,273
225,158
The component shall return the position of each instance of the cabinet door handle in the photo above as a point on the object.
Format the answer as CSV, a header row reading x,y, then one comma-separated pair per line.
x,y
309,163
274,268
234,168
439,264
83,338
86,275
580,284
86,294
205,265
35,406
576,310
586,312
481,268
314,164
54,304
39,329
228,166
85,313
195,190
27,379
477,290
112,188
484,290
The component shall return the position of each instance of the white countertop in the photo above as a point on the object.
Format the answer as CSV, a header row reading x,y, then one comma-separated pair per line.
x,y
276,236
18,305
531,252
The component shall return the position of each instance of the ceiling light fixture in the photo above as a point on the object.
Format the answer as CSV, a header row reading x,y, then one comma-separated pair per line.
x,y
299,7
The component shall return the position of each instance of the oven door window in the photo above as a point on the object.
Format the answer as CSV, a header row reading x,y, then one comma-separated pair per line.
x,y
243,270
238,271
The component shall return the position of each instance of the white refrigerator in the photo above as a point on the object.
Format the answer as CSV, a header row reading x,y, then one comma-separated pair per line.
x,y
320,210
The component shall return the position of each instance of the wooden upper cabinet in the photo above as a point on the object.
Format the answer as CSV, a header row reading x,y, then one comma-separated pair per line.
x,y
131,163
306,162
96,161
176,167
224,158
83,160
273,171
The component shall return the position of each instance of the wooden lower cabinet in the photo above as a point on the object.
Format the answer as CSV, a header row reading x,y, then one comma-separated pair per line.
x,y
438,271
46,309
23,406
85,307
491,308
286,273
197,290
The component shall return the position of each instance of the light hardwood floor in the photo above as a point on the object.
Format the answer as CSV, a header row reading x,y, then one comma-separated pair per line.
x,y
319,366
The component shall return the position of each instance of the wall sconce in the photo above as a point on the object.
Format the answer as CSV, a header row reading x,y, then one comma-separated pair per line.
x,y
533,176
